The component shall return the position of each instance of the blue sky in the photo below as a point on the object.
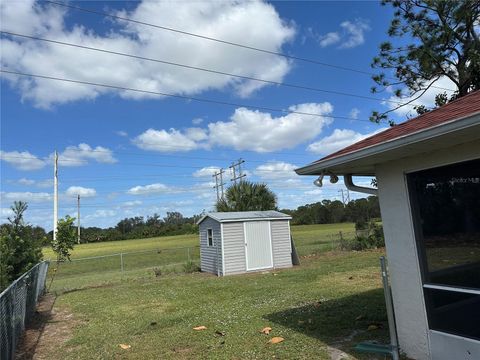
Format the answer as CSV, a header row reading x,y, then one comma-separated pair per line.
x,y
130,154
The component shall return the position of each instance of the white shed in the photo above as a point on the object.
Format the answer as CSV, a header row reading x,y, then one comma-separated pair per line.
x,y
246,241
428,178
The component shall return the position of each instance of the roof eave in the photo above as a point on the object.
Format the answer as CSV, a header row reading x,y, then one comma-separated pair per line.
x,y
318,167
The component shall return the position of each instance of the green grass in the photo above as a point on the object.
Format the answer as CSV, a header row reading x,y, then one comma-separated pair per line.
x,y
169,253
326,301
330,300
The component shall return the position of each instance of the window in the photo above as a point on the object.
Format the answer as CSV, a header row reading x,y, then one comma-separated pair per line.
x,y
210,237
446,213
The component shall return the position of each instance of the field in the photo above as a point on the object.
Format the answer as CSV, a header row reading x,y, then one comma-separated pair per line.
x,y
321,308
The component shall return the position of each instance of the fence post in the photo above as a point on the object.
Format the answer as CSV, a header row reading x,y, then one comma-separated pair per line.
x,y
121,261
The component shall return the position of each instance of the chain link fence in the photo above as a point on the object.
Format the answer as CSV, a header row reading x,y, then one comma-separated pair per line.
x,y
17,306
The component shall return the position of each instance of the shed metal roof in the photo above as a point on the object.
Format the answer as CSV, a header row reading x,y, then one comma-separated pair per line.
x,y
245,216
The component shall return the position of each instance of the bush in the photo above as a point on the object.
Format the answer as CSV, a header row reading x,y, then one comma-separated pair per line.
x,y
374,240
191,267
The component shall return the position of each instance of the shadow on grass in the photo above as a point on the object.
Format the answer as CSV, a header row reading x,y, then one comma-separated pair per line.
x,y
340,323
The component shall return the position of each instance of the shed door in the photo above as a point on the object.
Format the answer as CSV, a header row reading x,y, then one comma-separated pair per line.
x,y
258,245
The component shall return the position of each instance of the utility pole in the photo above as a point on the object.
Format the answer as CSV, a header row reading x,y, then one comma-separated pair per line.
x,y
78,218
234,172
343,197
55,195
219,184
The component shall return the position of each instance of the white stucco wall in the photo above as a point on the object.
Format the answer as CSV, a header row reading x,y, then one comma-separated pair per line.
x,y
402,256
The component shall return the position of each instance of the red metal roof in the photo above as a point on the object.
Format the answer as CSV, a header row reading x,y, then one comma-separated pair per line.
x,y
457,109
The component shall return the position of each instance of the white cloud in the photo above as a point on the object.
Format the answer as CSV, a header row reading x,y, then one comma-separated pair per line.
x,y
171,140
355,33
121,133
427,99
29,197
30,182
208,171
22,160
81,154
339,139
132,203
354,113
149,189
246,130
197,121
276,170
254,23
82,191
352,34
329,39
260,132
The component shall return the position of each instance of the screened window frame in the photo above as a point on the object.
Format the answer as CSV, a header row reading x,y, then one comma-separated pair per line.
x,y
427,284
210,242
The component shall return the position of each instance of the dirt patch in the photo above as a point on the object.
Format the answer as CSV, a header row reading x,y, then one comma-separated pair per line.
x,y
48,330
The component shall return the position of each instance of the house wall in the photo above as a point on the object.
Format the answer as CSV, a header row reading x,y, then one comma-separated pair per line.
x,y
210,256
406,282
281,244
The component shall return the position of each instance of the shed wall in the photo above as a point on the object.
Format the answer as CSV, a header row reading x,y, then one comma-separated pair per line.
x,y
211,256
406,282
234,248
281,243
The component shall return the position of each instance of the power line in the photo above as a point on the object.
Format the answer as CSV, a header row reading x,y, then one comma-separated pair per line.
x,y
226,42
296,86
210,101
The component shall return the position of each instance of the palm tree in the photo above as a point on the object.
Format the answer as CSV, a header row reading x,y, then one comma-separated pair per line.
x,y
247,196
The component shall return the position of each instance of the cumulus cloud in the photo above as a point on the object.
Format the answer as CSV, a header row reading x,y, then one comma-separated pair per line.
x,y
259,131
22,160
339,139
82,191
171,140
274,170
149,189
81,154
208,171
30,197
245,130
350,35
254,23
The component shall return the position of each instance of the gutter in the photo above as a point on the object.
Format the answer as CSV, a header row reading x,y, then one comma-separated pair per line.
x,y
348,181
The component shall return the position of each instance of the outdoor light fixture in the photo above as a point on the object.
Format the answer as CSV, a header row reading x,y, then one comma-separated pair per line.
x,y
333,178
318,182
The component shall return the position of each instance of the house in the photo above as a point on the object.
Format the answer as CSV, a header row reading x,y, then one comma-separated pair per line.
x,y
246,241
428,183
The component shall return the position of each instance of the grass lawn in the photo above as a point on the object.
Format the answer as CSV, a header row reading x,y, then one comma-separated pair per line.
x,y
168,253
328,301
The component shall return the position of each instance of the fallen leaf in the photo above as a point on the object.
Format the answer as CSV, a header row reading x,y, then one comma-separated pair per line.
x,y
317,304
372,327
219,333
359,317
200,328
125,346
276,340
266,330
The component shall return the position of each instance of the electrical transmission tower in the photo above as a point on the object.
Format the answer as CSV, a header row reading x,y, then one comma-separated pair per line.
x,y
219,183
237,174
345,196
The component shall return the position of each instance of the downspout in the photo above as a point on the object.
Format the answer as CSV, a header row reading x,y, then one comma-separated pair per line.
x,y
347,179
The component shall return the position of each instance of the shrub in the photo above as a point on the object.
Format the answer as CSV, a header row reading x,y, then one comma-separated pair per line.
x,y
190,267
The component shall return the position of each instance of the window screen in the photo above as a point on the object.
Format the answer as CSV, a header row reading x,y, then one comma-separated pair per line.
x,y
446,213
